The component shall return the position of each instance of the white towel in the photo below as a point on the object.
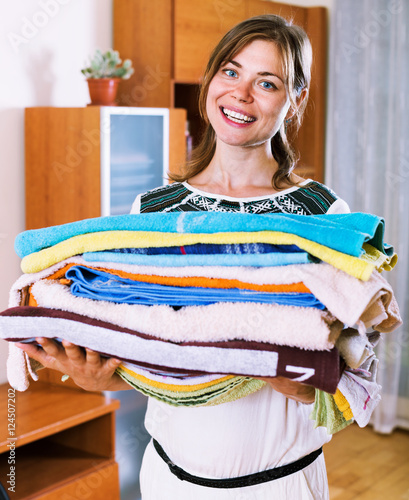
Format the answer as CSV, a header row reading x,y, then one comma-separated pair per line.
x,y
361,390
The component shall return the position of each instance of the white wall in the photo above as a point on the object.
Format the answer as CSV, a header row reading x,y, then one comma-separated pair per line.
x,y
43,46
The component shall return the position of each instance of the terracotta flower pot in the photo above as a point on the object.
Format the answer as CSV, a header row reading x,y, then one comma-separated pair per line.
x,y
102,91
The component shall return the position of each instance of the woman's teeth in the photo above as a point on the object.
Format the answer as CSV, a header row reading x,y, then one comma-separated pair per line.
x,y
237,117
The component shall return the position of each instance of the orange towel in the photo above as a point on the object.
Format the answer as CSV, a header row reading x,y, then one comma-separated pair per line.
x,y
198,281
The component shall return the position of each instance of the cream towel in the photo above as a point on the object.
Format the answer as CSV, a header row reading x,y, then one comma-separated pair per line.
x,y
304,327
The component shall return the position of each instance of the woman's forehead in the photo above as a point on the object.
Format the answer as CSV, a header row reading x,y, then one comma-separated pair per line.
x,y
266,55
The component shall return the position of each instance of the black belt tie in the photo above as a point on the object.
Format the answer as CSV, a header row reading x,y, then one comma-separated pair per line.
x,y
238,482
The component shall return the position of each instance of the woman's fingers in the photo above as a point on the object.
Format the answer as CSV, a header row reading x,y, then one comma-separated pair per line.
x,y
46,353
93,358
86,367
111,364
33,351
50,347
74,353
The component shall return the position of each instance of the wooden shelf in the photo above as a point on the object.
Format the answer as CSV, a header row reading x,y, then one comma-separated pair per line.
x,y
64,443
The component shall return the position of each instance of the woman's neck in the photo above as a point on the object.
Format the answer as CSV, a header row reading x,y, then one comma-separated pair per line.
x,y
238,172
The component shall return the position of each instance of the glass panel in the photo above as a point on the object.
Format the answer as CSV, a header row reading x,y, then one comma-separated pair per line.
x,y
136,158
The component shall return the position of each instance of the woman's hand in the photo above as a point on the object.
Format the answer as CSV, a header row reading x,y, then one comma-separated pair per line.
x,y
294,390
87,369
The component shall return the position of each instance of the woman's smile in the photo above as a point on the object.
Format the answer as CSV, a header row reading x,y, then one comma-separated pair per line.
x,y
238,117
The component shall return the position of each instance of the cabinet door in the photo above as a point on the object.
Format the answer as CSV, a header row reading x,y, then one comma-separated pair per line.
x,y
62,165
142,32
198,26
135,156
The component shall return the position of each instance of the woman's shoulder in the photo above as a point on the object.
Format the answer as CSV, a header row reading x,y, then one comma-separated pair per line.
x,y
313,197
160,198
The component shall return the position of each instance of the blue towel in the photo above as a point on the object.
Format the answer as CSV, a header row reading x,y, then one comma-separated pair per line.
x,y
221,259
210,248
343,232
100,285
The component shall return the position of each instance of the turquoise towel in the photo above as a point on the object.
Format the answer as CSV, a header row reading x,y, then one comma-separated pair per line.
x,y
357,228
257,259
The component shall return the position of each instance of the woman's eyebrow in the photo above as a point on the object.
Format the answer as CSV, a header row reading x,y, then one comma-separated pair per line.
x,y
261,73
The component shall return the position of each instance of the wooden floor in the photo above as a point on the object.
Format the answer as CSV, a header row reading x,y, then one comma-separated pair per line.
x,y
363,465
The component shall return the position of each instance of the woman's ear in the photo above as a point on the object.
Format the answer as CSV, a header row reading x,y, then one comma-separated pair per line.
x,y
298,101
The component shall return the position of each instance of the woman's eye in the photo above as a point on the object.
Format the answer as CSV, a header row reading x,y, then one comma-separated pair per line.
x,y
230,72
268,85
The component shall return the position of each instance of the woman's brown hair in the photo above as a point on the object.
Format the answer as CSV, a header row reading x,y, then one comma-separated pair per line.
x,y
295,49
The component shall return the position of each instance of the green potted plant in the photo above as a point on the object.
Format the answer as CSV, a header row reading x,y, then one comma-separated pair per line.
x,y
103,74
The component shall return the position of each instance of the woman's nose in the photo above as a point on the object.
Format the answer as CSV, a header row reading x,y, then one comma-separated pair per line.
x,y
242,92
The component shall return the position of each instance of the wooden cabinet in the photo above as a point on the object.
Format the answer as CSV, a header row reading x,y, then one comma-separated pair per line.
x,y
65,150
64,443
169,42
198,26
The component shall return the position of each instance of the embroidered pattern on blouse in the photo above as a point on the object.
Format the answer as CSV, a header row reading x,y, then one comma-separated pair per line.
x,y
312,198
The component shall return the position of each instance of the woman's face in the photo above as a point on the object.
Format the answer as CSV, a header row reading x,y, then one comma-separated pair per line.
x,y
247,99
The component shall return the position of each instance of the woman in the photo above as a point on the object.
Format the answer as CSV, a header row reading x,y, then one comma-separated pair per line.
x,y
256,81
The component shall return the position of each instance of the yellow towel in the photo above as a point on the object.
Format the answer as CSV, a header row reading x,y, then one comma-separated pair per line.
x,y
173,387
106,240
343,405
381,261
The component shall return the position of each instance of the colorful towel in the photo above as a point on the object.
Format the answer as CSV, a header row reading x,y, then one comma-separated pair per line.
x,y
354,302
199,397
89,244
100,285
343,405
360,389
252,359
212,249
357,228
354,348
304,327
327,414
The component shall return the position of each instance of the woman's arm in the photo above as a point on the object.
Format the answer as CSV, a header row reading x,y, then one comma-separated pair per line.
x,y
293,390
87,369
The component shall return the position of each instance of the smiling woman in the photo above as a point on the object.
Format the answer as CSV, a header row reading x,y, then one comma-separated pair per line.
x,y
257,79
262,445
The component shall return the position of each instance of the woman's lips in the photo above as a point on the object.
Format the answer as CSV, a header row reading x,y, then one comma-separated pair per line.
x,y
236,117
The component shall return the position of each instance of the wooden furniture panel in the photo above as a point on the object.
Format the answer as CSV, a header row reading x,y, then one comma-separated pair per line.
x,y
312,147
142,32
259,7
62,157
65,442
198,27
63,162
177,139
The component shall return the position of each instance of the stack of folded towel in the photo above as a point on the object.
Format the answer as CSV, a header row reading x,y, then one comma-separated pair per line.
x,y
199,304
